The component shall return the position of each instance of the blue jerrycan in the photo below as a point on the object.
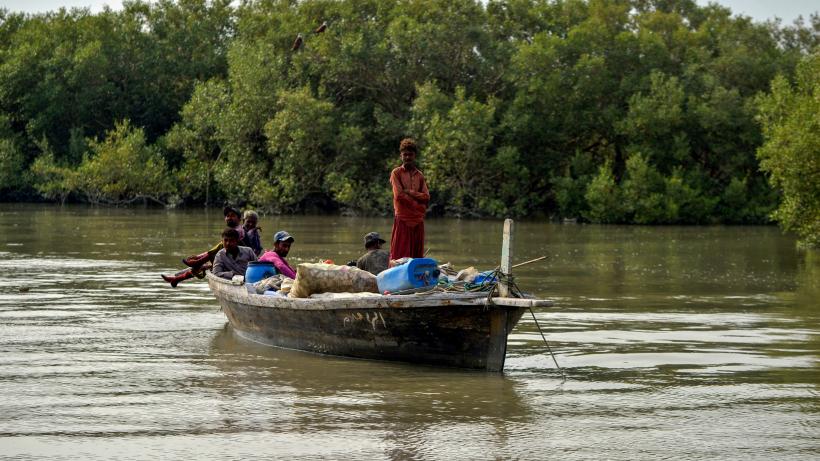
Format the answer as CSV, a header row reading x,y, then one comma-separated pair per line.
x,y
416,273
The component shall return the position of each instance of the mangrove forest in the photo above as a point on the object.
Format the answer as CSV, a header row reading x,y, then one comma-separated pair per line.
x,y
604,111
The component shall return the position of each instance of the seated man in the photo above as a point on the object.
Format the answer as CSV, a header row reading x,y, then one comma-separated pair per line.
x,y
376,259
281,247
232,259
199,263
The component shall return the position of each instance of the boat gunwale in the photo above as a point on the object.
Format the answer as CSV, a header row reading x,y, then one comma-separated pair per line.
x,y
236,291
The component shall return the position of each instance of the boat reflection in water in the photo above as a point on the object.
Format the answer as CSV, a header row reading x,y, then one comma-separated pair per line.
x,y
389,407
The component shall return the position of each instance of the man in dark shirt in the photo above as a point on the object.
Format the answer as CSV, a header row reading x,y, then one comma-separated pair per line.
x,y
376,259
232,259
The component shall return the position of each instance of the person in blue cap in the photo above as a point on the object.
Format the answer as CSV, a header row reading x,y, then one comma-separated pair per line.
x,y
282,241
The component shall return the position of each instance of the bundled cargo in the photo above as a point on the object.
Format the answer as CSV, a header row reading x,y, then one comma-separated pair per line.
x,y
329,278
272,283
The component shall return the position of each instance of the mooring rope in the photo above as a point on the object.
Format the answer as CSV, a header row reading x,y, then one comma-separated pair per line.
x,y
560,370
514,290
490,285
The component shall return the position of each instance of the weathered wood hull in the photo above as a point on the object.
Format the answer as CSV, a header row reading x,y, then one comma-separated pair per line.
x,y
456,331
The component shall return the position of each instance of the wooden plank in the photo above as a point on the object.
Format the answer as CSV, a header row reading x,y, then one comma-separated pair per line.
x,y
506,256
497,346
515,302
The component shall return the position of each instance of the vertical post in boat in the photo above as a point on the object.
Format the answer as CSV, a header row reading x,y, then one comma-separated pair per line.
x,y
506,257
499,317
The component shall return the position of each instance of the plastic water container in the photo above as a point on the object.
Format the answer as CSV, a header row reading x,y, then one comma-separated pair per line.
x,y
416,273
485,277
258,270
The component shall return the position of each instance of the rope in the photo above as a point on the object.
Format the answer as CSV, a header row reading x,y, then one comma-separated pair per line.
x,y
517,293
490,287
561,370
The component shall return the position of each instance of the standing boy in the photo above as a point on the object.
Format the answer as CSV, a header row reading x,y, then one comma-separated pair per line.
x,y
410,198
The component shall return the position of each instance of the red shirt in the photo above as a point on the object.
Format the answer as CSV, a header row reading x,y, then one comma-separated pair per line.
x,y
409,206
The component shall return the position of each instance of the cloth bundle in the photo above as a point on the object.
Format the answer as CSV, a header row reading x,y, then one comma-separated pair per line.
x,y
272,283
329,278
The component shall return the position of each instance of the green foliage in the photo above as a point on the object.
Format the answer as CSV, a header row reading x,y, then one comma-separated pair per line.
x,y
507,188
685,201
603,198
12,165
790,117
367,195
642,192
522,107
53,180
300,136
570,188
741,201
63,70
123,168
120,169
656,121
198,137
466,173
457,150
646,196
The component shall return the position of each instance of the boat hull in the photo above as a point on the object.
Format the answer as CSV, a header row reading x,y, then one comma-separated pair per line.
x,y
455,332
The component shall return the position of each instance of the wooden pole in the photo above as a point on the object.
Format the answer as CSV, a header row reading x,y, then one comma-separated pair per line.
x,y
530,261
506,257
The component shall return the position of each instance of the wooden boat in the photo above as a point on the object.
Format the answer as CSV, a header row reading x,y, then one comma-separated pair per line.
x,y
465,330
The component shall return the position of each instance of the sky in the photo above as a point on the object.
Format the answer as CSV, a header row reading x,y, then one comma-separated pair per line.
x,y
759,10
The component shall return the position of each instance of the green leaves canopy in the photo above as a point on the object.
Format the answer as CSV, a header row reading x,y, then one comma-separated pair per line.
x,y
522,107
790,117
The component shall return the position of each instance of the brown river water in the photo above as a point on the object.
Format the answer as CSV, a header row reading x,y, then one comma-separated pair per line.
x,y
678,343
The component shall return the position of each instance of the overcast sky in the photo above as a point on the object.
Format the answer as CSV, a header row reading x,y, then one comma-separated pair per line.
x,y
787,10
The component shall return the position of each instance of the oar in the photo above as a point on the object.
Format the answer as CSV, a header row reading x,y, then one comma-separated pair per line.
x,y
530,261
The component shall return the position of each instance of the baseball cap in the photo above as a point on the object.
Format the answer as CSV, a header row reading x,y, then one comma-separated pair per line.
x,y
230,209
372,237
282,236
